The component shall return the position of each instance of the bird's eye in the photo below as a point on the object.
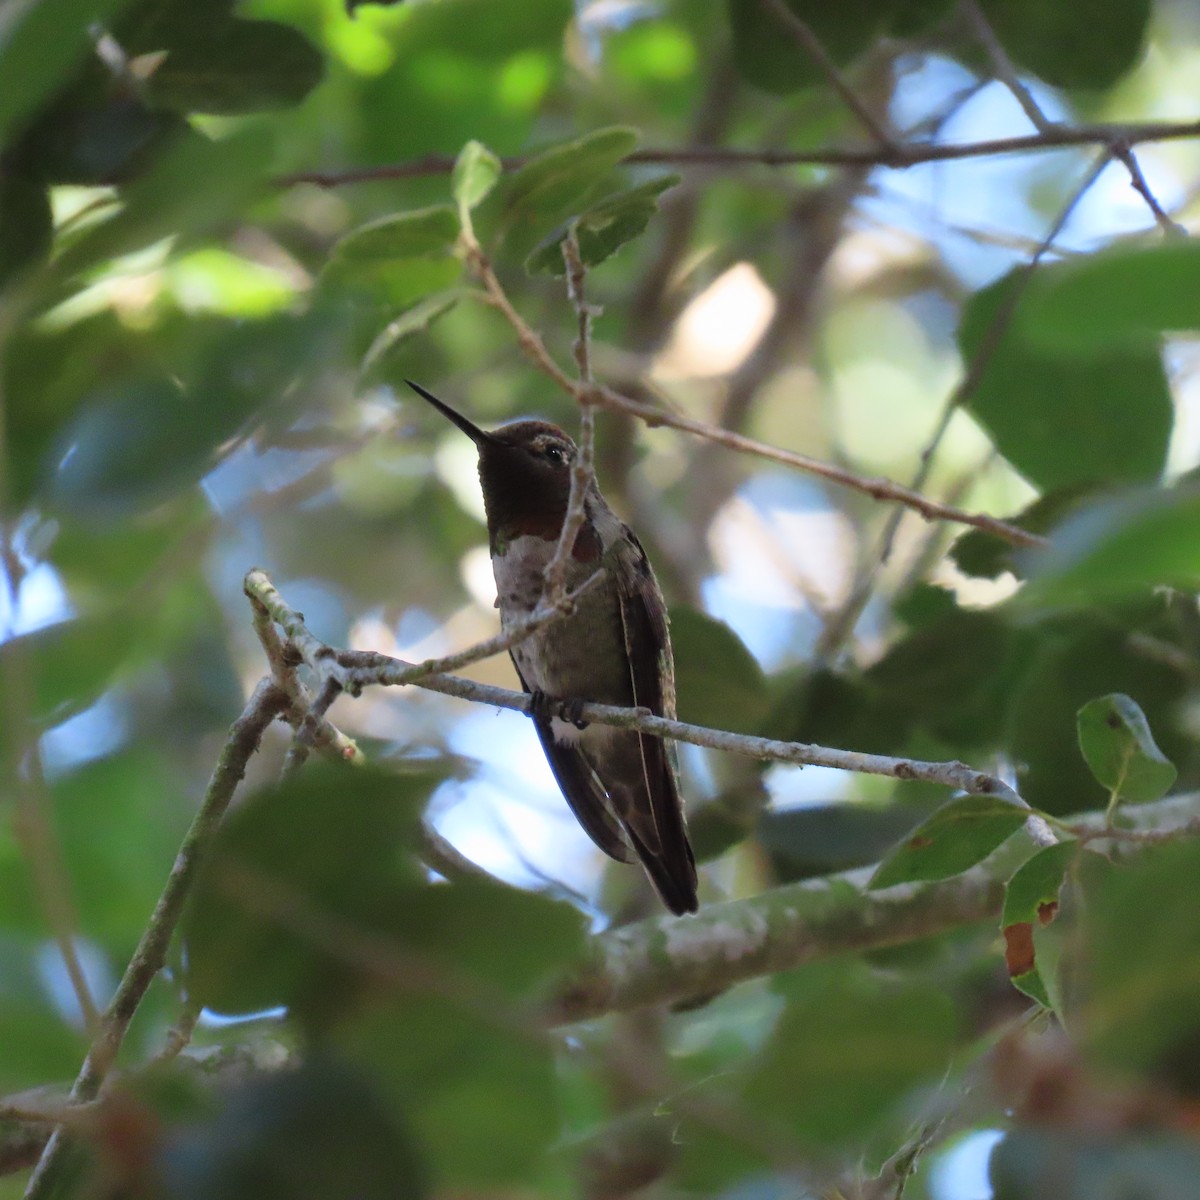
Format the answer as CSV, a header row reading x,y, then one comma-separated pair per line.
x,y
556,454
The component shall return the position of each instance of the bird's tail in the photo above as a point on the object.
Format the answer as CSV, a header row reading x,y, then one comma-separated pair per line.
x,y
671,869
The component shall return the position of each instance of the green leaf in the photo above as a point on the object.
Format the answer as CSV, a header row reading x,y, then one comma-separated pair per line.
x,y
859,1043
412,321
1034,1164
40,44
552,185
1139,1010
1122,295
138,442
26,225
718,681
986,556
1064,419
1058,43
334,841
192,186
482,1099
321,1132
1076,658
475,174
1115,739
819,839
71,662
960,834
604,228
237,67
1030,904
1118,547
413,234
768,54
39,1045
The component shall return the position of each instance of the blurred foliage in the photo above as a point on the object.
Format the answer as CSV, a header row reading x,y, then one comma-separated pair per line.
x,y
199,353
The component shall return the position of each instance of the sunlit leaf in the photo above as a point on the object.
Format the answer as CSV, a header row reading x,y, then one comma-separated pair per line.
x,y
475,174
1115,738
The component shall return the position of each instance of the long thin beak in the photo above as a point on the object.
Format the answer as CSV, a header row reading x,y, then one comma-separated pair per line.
x,y
477,435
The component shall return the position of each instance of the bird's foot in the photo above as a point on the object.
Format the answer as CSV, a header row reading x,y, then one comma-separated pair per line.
x,y
572,710
546,707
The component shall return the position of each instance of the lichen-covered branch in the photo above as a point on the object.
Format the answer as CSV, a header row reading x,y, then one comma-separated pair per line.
x,y
666,960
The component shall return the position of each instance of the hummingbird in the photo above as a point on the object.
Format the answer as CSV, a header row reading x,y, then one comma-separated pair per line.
x,y
612,648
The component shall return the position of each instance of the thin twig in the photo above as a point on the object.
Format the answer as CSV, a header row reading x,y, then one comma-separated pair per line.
x,y
266,703
307,731
898,156
583,468
1006,72
359,669
842,623
800,32
877,488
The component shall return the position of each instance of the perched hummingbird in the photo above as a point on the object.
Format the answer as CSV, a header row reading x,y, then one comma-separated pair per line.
x,y
613,648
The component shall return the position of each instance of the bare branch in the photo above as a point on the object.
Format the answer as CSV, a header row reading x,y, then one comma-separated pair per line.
x,y
877,488
900,156
359,669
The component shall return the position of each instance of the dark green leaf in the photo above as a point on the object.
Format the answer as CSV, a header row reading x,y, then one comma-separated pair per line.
x,y
960,834
71,662
769,54
1030,904
858,1043
1140,1010
39,1045
1131,294
1077,658
1064,419
1115,739
554,184
604,228
403,235
139,442
319,1132
39,45
333,844
482,1098
1117,548
1070,46
1034,1164
718,681
192,186
819,839
26,225
237,67
986,556
412,321
475,174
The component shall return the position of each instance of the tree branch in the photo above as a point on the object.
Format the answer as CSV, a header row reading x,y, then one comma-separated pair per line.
x,y
264,706
357,669
899,156
667,961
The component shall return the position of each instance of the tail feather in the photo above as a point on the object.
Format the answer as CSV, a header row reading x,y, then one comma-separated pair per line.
x,y
672,871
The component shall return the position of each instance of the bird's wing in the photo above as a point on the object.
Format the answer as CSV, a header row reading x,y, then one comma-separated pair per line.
x,y
652,675
581,790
